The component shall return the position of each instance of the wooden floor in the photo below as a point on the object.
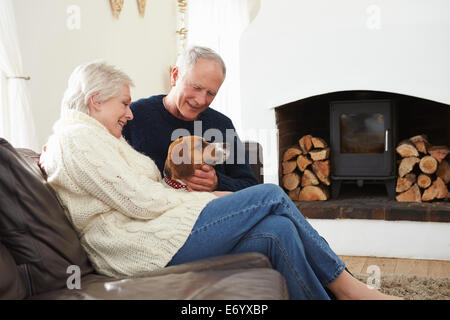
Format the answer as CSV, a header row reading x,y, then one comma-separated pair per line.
x,y
430,268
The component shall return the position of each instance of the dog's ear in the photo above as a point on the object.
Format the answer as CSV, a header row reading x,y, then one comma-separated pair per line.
x,y
178,169
176,152
183,170
167,171
179,163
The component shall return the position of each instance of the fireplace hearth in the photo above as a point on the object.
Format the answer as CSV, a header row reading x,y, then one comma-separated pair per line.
x,y
371,203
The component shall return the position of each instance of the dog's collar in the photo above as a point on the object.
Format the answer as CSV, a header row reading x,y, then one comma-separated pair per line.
x,y
174,183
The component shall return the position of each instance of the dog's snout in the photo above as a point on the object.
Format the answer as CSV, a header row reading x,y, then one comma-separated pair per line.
x,y
219,153
226,150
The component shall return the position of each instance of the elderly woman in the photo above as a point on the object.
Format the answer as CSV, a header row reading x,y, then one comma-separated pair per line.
x,y
130,223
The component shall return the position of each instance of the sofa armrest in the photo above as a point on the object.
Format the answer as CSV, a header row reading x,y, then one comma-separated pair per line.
x,y
226,262
237,276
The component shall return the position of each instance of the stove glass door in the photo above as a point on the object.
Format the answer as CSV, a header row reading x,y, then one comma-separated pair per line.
x,y
362,132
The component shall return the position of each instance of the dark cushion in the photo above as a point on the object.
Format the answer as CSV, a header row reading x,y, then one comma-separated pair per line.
x,y
254,153
11,283
33,226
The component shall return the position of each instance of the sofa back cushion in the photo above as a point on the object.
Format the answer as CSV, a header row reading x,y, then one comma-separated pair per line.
x,y
254,152
33,226
11,283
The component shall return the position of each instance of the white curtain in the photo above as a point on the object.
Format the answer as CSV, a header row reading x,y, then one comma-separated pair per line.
x,y
218,24
16,119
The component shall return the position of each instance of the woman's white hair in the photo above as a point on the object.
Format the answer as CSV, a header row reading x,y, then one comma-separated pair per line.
x,y
187,60
91,78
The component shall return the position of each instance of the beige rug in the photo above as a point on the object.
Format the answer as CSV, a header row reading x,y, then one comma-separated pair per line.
x,y
413,287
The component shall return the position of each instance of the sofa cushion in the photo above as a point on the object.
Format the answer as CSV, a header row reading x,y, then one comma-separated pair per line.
x,y
33,226
11,283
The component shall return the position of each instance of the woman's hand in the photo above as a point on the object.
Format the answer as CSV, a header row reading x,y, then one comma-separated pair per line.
x,y
221,193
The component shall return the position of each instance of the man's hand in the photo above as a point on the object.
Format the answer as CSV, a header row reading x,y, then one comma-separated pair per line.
x,y
202,180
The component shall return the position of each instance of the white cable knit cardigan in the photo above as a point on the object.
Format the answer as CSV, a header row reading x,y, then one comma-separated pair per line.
x,y
128,221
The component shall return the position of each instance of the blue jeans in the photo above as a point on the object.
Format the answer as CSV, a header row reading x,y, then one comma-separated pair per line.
x,y
263,219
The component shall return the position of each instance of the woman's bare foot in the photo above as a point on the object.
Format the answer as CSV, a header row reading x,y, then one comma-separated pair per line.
x,y
346,287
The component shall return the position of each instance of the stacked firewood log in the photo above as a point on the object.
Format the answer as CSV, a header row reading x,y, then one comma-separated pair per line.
x,y
306,170
423,171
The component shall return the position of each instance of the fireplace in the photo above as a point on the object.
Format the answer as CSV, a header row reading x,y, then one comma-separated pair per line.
x,y
362,137
362,170
296,57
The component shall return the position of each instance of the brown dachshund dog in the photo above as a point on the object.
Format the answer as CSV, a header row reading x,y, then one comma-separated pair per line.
x,y
189,153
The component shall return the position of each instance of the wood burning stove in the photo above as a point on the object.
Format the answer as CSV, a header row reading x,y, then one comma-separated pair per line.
x,y
362,138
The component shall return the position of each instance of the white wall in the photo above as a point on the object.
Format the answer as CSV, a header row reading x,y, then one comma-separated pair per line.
x,y
145,48
391,239
297,49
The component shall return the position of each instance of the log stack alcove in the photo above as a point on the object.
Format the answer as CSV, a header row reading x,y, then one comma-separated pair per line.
x,y
423,171
306,170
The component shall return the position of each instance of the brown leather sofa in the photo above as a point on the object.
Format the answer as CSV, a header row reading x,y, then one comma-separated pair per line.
x,y
42,258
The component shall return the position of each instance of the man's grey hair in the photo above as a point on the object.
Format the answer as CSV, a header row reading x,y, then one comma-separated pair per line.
x,y
187,60
91,78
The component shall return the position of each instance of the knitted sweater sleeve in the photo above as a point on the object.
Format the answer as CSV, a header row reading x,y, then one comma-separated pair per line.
x,y
131,185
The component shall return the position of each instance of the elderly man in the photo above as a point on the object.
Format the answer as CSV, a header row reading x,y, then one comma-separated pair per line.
x,y
161,119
